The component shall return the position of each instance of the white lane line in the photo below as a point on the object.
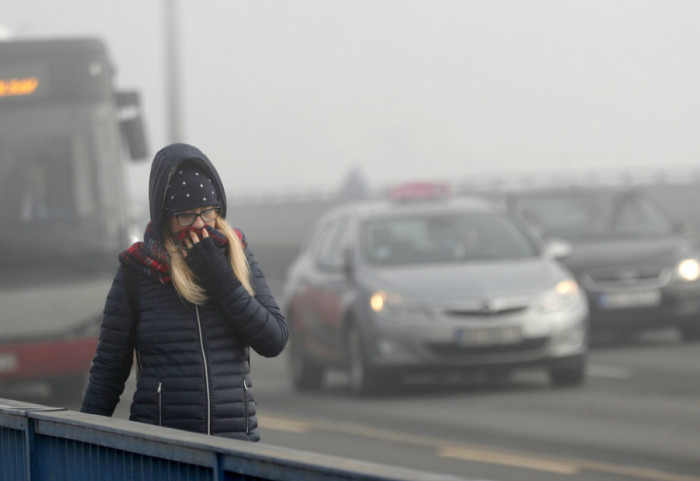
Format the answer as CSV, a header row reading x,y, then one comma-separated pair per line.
x,y
610,372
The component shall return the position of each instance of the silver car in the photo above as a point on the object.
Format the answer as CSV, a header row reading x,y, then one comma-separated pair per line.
x,y
394,288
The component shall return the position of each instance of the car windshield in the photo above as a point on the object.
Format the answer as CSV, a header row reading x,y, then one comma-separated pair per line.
x,y
424,239
590,215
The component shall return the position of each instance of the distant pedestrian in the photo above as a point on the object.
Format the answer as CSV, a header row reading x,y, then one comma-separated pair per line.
x,y
189,301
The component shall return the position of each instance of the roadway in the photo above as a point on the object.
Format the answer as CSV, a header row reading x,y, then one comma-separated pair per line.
x,y
636,418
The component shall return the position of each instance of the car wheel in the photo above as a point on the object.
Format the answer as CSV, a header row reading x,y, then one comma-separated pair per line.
x,y
306,375
690,334
363,378
499,376
567,376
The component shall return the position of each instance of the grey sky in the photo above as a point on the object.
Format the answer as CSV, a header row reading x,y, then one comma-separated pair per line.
x,y
292,94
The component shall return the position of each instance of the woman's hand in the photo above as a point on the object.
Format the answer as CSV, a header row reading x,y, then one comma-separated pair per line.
x,y
208,261
193,239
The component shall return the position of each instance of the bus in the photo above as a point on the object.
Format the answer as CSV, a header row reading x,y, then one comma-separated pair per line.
x,y
66,136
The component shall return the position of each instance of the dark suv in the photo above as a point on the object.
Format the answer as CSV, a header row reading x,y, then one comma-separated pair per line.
x,y
639,269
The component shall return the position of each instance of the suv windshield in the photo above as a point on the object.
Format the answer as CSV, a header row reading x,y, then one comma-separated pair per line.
x,y
443,238
581,215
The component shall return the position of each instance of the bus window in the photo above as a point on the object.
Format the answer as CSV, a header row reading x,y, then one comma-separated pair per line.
x,y
38,183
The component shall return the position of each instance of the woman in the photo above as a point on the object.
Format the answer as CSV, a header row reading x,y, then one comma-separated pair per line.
x,y
189,300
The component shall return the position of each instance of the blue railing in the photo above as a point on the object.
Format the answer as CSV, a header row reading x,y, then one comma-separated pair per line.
x,y
40,443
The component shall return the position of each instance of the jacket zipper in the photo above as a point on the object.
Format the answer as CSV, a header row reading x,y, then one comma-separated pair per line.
x,y
160,404
245,403
206,369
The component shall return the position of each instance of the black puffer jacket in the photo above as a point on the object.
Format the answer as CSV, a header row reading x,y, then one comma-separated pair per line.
x,y
195,369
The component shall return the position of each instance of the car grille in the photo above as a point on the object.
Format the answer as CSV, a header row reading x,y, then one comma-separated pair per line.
x,y
486,307
484,312
638,277
451,350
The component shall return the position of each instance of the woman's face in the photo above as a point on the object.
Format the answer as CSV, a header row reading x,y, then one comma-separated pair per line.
x,y
185,216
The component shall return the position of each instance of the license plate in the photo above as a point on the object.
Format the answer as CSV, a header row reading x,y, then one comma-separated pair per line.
x,y
486,336
8,362
621,300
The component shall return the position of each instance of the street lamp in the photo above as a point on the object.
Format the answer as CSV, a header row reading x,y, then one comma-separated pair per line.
x,y
172,72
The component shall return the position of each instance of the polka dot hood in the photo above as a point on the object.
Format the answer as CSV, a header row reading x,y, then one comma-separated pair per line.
x,y
182,178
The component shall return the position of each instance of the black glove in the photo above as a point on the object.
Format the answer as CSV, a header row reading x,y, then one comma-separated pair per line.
x,y
208,262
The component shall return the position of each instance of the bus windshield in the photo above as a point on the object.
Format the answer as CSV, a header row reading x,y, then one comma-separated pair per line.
x,y
61,187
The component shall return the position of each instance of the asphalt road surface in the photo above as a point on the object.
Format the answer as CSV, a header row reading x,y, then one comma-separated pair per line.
x,y
636,418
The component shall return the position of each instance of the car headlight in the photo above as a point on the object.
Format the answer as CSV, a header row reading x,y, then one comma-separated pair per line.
x,y
397,307
565,296
688,269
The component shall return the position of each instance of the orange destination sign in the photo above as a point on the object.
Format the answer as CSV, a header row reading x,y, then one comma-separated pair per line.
x,y
18,86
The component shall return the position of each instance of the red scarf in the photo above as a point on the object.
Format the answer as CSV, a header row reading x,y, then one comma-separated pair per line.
x,y
150,257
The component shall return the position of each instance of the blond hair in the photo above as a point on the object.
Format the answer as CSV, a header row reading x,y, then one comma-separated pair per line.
x,y
184,279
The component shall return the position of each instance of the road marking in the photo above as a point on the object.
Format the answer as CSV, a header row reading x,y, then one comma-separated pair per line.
x,y
493,457
472,452
280,424
610,372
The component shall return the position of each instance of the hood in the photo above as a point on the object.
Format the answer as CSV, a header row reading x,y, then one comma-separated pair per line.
x,y
468,280
663,251
164,164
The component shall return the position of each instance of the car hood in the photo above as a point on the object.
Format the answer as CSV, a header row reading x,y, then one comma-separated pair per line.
x,y
626,252
441,281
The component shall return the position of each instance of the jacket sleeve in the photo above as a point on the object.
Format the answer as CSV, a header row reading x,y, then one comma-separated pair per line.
x,y
258,319
111,365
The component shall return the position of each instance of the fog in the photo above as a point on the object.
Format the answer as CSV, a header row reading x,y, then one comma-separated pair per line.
x,y
294,99
291,96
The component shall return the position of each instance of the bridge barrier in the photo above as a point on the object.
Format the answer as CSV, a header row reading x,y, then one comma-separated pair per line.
x,y
42,443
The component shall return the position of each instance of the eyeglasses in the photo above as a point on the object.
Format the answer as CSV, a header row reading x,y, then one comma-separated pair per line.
x,y
189,218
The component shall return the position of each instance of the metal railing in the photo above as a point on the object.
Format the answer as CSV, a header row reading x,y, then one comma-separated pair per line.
x,y
41,443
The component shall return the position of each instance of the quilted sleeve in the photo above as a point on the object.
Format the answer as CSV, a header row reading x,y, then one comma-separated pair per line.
x,y
258,319
111,365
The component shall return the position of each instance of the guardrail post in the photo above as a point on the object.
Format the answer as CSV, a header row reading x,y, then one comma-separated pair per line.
x,y
29,451
219,468
21,453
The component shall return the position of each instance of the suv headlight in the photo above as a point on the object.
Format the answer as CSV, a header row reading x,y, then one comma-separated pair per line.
x,y
565,296
688,270
397,307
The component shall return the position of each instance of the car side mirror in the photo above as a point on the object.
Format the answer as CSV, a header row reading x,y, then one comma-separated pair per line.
x,y
558,249
684,229
348,263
